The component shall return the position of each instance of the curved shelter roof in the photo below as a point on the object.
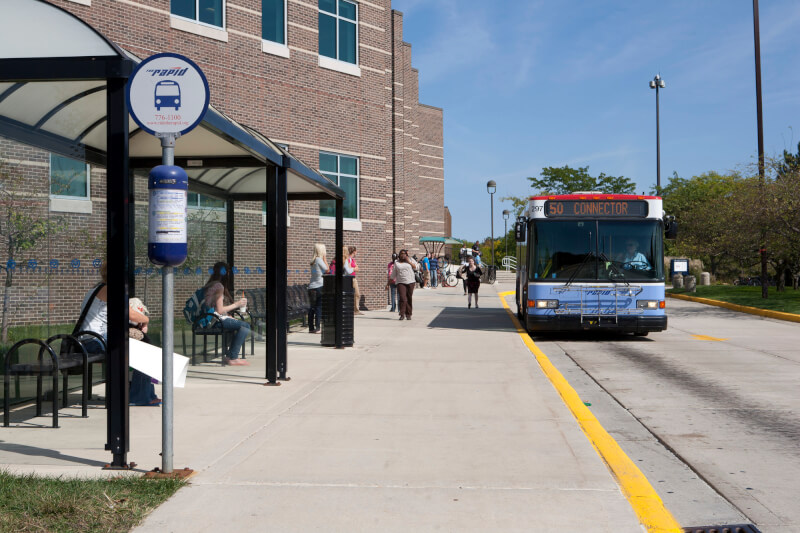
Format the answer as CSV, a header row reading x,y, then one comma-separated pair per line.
x,y
40,104
62,88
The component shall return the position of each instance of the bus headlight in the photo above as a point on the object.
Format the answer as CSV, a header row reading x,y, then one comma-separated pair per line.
x,y
545,304
650,304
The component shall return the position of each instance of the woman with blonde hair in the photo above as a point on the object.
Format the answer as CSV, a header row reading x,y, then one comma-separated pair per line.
x,y
319,266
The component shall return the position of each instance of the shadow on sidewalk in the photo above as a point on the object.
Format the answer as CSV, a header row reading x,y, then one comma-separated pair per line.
x,y
33,451
489,319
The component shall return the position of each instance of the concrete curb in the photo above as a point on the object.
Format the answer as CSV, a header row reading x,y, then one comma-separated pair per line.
x,y
641,495
790,317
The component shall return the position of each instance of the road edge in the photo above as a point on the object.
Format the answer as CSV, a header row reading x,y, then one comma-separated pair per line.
x,y
767,313
641,495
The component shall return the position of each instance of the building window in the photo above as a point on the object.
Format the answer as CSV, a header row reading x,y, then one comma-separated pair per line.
x,y
201,201
273,21
211,12
343,171
69,178
338,30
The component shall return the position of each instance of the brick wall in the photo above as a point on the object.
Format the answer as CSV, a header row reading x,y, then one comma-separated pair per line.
x,y
375,116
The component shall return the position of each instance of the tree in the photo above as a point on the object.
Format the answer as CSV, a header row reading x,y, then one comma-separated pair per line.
x,y
567,180
518,204
790,163
21,228
705,208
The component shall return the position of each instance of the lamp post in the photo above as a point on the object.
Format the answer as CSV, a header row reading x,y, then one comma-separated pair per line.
x,y
491,187
506,214
760,124
657,83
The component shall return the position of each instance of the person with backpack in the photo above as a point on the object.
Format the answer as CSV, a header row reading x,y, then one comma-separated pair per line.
x,y
217,297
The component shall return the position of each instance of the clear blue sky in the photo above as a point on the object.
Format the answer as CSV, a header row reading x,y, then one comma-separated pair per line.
x,y
526,84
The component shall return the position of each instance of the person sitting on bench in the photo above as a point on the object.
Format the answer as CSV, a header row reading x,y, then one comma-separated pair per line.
x,y
218,297
141,390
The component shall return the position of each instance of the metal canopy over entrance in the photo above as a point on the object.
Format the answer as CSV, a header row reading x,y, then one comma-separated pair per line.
x,y
62,89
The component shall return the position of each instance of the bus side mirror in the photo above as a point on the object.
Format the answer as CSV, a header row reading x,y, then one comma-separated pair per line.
x,y
519,231
670,227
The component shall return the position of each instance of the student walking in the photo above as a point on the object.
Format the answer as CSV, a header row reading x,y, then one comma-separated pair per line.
x,y
425,265
391,286
434,264
403,276
319,266
473,281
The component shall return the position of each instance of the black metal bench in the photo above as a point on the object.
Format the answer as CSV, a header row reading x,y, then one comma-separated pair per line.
x,y
213,329
297,304
74,359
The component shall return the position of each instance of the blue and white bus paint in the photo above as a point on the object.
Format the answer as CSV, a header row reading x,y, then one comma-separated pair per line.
x,y
552,301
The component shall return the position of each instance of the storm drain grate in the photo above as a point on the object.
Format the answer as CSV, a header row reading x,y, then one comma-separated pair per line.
x,y
733,528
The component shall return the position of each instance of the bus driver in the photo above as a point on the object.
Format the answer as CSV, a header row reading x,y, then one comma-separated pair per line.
x,y
633,259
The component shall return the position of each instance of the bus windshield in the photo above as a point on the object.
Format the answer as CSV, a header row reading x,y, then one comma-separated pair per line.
x,y
596,250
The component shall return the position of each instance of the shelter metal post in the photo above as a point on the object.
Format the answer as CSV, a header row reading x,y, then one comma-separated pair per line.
x,y
281,270
229,235
132,225
272,275
339,271
118,240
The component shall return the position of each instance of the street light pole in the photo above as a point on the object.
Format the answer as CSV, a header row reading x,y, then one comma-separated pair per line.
x,y
491,187
506,214
763,247
657,83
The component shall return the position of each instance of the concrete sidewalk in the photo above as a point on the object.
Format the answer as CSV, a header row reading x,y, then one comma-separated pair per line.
x,y
442,423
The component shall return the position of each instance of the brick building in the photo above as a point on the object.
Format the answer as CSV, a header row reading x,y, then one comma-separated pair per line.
x,y
330,80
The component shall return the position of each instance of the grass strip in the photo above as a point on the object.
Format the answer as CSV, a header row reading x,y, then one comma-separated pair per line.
x,y
785,302
35,503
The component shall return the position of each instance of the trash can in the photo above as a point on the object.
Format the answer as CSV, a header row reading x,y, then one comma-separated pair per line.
x,y
329,310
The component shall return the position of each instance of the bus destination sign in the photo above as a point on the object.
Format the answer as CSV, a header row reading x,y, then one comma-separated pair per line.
x,y
595,208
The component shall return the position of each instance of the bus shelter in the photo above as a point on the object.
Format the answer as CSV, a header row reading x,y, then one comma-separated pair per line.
x,y
62,89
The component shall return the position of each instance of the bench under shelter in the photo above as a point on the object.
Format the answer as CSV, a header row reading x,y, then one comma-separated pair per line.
x,y
62,89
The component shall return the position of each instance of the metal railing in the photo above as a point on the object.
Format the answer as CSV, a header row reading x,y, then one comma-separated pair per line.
x,y
509,263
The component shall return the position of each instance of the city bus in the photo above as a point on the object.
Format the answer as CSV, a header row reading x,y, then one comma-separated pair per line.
x,y
590,261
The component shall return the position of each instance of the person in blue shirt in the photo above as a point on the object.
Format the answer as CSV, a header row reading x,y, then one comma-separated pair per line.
x,y
426,271
434,264
633,259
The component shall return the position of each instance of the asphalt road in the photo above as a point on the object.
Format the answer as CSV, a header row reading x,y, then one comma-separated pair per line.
x,y
709,409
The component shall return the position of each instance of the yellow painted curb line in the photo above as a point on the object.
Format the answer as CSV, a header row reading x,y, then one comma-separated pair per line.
x,y
791,317
637,489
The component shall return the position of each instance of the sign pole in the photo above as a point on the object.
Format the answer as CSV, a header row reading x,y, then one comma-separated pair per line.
x,y
167,97
167,341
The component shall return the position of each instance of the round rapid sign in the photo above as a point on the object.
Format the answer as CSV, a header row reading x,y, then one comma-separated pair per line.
x,y
167,95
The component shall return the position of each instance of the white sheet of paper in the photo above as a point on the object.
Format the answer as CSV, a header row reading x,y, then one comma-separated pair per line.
x,y
146,358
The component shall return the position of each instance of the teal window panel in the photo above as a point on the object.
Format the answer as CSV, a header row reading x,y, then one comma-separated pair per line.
x,y
210,12
68,177
347,41
273,21
327,35
184,8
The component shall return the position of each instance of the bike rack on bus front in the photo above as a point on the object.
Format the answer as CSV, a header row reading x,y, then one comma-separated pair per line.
x,y
582,308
